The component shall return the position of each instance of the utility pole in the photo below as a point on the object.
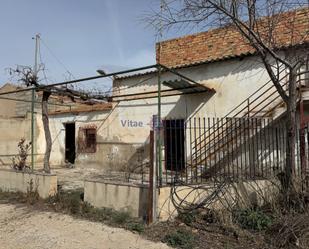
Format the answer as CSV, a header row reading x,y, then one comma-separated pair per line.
x,y
37,40
35,74
156,171
159,130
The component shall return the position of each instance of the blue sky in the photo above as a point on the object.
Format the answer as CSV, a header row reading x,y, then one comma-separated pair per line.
x,y
83,34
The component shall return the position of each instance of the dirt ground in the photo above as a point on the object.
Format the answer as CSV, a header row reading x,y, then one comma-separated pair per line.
x,y
25,228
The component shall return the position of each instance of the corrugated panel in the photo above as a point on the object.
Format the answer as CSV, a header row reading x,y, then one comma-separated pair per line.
x,y
185,86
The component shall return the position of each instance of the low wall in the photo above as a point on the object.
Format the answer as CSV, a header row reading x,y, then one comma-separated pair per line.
x,y
13,181
244,194
121,197
134,198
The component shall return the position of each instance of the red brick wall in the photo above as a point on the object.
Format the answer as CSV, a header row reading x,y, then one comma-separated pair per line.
x,y
291,28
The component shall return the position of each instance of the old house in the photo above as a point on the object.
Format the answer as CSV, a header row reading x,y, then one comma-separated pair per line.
x,y
213,74
222,119
71,124
231,83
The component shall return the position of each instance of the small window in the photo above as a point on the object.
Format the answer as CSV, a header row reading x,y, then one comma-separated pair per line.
x,y
87,140
91,140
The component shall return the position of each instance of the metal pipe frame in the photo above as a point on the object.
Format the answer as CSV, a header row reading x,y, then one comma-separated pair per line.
x,y
155,66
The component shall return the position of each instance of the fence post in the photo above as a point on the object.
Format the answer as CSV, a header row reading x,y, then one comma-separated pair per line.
x,y
152,182
302,141
32,128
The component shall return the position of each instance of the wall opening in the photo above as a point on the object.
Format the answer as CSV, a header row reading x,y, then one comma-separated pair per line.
x,y
70,142
174,146
87,139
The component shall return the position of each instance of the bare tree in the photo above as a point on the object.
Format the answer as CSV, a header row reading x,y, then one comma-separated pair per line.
x,y
258,22
48,139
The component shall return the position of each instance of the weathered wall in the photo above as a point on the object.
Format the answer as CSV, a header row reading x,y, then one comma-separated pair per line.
x,y
13,181
16,104
11,131
123,133
243,194
130,198
129,122
134,199
57,128
7,107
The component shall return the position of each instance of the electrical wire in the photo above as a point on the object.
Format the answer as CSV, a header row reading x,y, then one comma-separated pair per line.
x,y
57,59
41,62
186,204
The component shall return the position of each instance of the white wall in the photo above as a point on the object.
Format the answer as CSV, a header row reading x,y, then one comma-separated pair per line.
x,y
123,133
233,80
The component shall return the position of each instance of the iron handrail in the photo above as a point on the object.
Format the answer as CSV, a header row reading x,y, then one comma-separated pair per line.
x,y
243,109
213,144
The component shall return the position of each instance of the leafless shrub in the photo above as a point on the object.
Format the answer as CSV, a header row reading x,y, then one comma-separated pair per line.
x,y
291,231
20,161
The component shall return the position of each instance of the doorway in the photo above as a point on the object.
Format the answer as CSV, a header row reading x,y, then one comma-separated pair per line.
x,y
70,143
174,149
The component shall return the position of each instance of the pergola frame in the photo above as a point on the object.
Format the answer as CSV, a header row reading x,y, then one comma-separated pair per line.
x,y
159,69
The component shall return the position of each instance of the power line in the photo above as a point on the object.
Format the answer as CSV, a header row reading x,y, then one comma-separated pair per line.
x,y
41,62
60,62
57,59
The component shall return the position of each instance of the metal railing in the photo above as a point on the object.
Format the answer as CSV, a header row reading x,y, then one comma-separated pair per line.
x,y
255,148
260,100
259,104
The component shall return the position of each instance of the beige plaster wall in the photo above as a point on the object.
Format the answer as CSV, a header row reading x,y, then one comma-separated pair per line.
x,y
121,145
7,107
243,194
132,199
234,80
13,181
57,129
11,131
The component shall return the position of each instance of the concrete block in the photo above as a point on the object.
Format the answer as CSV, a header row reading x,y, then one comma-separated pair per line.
x,y
118,196
14,181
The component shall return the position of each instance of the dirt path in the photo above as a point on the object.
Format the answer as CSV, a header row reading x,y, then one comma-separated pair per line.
x,y
22,228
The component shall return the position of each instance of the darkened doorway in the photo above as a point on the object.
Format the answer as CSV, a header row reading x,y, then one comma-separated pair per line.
x,y
70,142
174,136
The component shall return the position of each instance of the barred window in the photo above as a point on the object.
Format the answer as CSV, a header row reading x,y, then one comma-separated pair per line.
x,y
87,140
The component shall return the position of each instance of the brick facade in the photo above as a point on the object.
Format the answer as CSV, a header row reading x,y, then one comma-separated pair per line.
x,y
291,28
